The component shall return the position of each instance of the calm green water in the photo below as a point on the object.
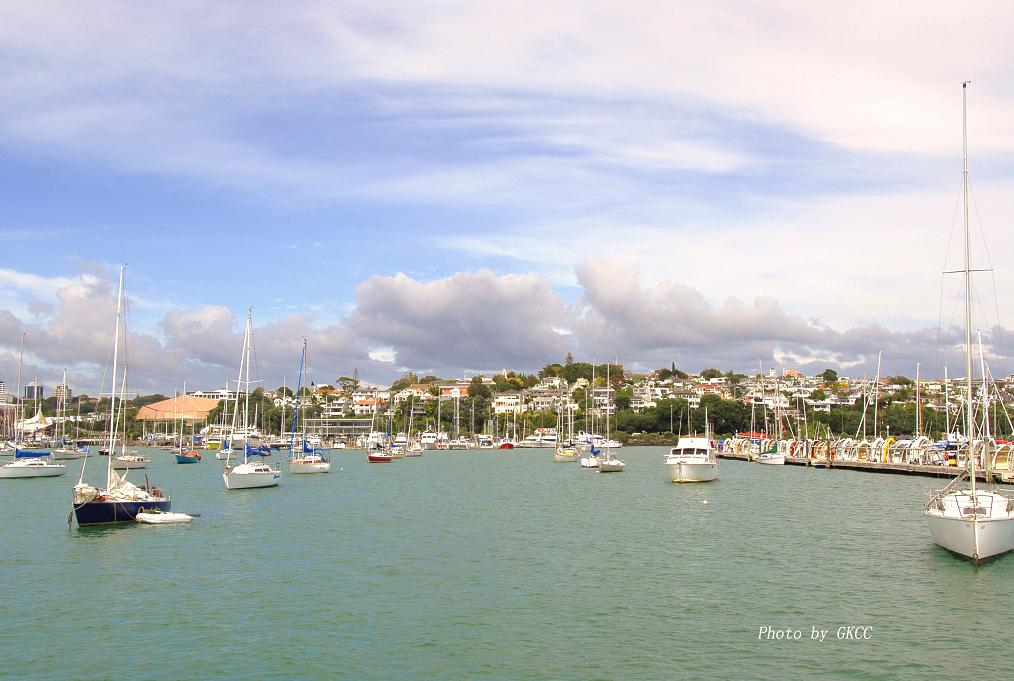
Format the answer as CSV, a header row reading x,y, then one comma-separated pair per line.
x,y
467,565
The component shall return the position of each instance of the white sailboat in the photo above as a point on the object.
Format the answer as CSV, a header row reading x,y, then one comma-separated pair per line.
x,y
26,464
965,520
248,474
414,447
608,463
64,450
307,459
125,460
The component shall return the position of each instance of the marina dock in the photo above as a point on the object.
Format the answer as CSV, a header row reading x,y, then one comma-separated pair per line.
x,y
874,467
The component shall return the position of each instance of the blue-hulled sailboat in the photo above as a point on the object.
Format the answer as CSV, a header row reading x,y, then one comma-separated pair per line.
x,y
119,501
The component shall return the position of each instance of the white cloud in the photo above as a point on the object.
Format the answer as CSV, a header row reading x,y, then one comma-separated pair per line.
x,y
470,321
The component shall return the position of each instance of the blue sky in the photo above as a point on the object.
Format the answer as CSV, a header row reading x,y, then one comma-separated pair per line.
x,y
462,187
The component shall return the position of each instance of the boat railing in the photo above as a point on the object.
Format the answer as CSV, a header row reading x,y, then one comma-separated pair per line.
x,y
936,495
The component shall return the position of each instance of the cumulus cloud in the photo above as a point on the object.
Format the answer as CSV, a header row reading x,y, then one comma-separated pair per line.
x,y
653,325
469,321
201,346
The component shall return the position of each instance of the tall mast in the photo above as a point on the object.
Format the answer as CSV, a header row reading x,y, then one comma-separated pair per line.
x,y
239,380
17,394
968,290
918,404
112,390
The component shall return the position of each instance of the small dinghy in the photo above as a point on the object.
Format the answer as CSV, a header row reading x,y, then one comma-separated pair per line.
x,y
156,517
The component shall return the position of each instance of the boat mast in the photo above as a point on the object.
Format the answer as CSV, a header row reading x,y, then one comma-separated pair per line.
x,y
239,379
968,298
295,406
112,391
21,403
918,404
246,397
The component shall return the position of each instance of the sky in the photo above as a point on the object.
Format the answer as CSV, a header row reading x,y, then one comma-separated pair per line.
x,y
462,187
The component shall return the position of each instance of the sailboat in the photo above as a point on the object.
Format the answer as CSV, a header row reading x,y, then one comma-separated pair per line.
x,y
248,474
119,500
308,459
181,455
414,447
565,449
126,460
28,464
970,522
609,463
63,450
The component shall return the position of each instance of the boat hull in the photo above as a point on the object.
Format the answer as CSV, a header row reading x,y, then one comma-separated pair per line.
x,y
692,472
234,480
300,468
379,458
777,460
161,518
106,512
566,458
183,458
48,471
996,536
611,466
68,454
129,465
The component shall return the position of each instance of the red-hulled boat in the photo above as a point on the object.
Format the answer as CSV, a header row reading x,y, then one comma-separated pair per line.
x,y
379,457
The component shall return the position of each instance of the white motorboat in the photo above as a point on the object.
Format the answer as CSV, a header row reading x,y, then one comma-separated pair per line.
x,y
978,524
772,458
459,443
156,517
428,440
32,467
693,459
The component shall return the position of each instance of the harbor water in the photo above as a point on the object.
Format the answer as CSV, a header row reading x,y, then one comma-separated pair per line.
x,y
499,565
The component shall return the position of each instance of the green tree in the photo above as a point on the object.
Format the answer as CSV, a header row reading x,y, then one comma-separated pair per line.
x,y
830,377
407,379
709,374
569,360
477,388
550,370
348,384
